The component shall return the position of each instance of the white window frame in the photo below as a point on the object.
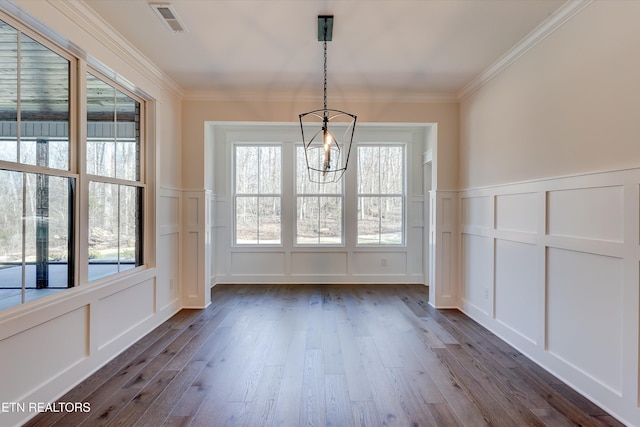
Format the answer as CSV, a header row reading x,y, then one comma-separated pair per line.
x,y
139,183
235,194
77,134
402,195
297,195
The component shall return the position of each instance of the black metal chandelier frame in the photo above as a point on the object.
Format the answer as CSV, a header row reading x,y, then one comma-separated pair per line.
x,y
326,156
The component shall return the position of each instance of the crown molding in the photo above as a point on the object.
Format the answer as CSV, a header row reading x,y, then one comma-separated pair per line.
x,y
89,21
567,11
383,96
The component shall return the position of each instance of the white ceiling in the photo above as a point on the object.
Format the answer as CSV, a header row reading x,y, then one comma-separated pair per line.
x,y
400,47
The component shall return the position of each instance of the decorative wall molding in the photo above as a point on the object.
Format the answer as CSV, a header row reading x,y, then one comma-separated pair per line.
x,y
443,249
196,248
83,16
541,32
552,267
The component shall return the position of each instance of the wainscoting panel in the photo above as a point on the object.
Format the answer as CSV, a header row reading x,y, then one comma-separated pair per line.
x,y
192,253
584,294
123,311
168,208
563,257
193,210
516,293
379,263
477,212
319,264
51,353
477,272
258,263
516,212
168,248
588,213
443,249
196,248
168,257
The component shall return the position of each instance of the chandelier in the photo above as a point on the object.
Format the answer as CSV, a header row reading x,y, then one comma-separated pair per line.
x,y
326,155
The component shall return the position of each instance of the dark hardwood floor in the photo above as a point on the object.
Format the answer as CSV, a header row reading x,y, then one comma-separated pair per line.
x,y
330,355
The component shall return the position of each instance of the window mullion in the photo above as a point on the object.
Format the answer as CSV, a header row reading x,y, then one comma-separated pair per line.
x,y
24,237
18,94
81,244
318,217
119,231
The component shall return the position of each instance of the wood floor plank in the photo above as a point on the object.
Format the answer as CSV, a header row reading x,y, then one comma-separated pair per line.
x,y
190,401
459,401
324,355
313,408
337,303
501,392
389,409
419,379
247,379
337,401
563,405
102,415
197,340
358,315
474,338
415,408
141,401
443,415
177,422
491,410
365,414
288,406
160,411
263,405
357,384
331,349
314,322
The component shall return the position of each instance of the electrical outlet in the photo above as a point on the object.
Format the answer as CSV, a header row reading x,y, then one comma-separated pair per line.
x,y
383,262
486,293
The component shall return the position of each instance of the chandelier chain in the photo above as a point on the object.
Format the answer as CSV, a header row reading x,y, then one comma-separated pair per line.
x,y
325,73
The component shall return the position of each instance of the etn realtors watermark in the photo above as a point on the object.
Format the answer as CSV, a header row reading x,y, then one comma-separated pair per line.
x,y
8,407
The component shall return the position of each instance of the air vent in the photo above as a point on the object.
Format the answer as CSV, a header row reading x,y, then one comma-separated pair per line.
x,y
168,16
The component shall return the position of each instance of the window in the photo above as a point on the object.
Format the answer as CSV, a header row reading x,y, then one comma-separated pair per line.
x,y
318,208
36,183
115,188
258,194
381,195
40,205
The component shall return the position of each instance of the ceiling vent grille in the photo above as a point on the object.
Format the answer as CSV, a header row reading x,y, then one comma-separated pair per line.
x,y
168,16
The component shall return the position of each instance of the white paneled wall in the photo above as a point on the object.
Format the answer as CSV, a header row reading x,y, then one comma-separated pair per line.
x,y
552,267
197,247
443,247
169,240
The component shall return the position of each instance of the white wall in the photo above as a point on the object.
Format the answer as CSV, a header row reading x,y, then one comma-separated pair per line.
x,y
49,345
549,217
